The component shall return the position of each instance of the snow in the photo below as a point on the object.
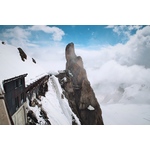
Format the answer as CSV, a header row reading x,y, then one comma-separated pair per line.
x,y
64,79
61,71
90,107
12,65
1,92
56,107
70,74
62,102
36,110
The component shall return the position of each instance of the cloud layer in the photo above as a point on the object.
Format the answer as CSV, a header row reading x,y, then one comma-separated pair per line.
x,y
120,65
111,66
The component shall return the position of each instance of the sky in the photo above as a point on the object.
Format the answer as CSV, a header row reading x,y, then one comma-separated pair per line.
x,y
82,35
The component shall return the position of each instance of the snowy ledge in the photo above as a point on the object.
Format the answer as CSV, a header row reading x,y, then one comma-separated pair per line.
x,y
90,107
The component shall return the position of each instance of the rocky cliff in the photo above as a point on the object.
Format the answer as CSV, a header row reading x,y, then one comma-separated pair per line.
x,y
78,90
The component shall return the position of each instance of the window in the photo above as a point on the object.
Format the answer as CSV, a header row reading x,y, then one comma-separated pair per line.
x,y
17,102
16,84
20,82
22,98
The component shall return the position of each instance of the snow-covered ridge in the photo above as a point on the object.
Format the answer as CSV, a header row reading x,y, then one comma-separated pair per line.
x,y
55,105
63,102
12,65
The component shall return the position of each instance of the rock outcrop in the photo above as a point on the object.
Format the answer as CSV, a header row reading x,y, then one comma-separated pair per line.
x,y
78,90
22,54
33,60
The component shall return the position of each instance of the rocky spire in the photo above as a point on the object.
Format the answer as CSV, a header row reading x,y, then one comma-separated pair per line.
x,y
79,91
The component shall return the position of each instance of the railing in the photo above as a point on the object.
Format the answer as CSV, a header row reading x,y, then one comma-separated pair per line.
x,y
37,83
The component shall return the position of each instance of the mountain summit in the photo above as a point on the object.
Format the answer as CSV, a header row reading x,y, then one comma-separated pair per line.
x,y
78,90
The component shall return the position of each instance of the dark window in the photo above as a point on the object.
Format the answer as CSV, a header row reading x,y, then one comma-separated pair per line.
x,y
17,102
16,84
20,82
22,98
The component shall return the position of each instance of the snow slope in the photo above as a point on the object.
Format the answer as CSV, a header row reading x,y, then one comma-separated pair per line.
x,y
59,111
56,107
11,65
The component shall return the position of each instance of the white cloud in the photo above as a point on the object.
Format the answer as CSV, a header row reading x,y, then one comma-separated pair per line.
x,y
57,33
20,37
110,26
111,65
139,45
16,33
134,27
122,64
136,52
122,27
17,36
124,30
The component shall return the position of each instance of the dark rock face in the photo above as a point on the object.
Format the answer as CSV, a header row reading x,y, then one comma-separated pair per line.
x,y
43,89
33,60
78,90
22,54
32,116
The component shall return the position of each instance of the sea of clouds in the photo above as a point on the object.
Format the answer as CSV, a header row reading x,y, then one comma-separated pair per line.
x,y
111,68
